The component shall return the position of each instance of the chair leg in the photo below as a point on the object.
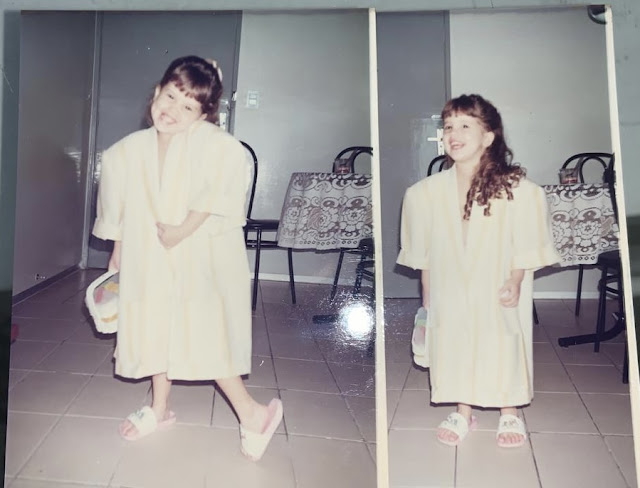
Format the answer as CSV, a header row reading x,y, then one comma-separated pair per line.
x,y
602,309
579,291
256,270
334,288
535,314
359,274
292,283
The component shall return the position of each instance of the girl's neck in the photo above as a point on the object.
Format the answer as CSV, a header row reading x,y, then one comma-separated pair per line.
x,y
163,139
465,170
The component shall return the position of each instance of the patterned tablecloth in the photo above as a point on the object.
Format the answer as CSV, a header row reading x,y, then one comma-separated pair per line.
x,y
583,221
325,211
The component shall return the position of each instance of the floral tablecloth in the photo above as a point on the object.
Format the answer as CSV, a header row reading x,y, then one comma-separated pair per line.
x,y
583,221
324,211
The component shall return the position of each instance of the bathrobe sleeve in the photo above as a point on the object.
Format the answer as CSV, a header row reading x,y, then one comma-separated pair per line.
x,y
533,243
220,185
111,192
415,228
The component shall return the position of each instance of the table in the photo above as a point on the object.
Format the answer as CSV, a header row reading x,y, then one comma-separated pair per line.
x,y
584,226
582,220
326,211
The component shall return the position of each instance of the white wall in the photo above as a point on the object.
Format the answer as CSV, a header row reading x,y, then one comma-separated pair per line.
x,y
311,73
545,70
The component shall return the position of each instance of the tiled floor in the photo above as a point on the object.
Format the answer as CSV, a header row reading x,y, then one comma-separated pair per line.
x,y
65,404
579,421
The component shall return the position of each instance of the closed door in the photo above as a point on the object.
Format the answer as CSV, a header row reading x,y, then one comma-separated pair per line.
x,y
136,48
413,86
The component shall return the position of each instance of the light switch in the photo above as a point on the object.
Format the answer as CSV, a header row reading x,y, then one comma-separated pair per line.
x,y
253,99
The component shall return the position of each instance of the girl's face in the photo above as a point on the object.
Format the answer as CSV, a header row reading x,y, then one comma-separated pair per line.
x,y
173,111
465,138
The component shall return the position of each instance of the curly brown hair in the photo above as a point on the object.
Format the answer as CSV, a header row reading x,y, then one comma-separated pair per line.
x,y
496,175
199,79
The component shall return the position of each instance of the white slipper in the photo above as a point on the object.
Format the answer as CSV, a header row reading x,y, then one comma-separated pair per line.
x,y
457,424
145,422
254,445
511,424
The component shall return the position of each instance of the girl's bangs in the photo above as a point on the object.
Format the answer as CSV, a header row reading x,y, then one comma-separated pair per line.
x,y
196,89
461,106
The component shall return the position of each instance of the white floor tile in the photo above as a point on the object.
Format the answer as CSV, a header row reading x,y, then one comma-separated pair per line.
x,y
574,460
79,450
338,466
622,449
417,459
25,432
319,415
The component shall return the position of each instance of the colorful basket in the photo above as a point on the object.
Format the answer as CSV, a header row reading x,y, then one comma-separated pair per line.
x,y
101,299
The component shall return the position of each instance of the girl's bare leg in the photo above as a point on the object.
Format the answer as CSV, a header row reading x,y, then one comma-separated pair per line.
x,y
252,415
509,438
446,434
160,387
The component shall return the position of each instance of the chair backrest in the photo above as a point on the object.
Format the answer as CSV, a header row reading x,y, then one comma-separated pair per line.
x,y
609,177
351,153
437,164
252,166
580,160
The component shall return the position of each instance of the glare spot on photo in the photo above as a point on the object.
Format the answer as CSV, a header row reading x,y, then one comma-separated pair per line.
x,y
356,319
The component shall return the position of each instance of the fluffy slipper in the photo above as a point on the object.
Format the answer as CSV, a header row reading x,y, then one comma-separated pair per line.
x,y
457,424
511,424
145,422
253,444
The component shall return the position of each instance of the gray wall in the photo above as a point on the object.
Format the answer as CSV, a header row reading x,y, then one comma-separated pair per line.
x,y
549,80
311,71
55,98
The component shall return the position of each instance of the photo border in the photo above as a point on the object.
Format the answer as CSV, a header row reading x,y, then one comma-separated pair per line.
x,y
624,92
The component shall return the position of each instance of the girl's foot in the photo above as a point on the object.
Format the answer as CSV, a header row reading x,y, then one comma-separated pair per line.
x,y
145,421
257,420
451,431
511,429
253,444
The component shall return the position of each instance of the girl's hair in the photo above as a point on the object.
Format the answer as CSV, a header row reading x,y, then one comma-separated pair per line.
x,y
199,79
496,175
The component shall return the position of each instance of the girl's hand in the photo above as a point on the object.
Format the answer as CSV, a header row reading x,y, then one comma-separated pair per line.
x,y
114,260
170,235
510,293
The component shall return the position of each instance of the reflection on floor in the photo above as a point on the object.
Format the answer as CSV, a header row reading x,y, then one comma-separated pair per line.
x,y
579,421
65,404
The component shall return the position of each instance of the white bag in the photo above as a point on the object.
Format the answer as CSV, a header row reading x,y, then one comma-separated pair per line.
x,y
419,345
101,299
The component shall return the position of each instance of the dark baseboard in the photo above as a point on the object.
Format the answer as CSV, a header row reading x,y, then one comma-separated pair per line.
x,y
29,292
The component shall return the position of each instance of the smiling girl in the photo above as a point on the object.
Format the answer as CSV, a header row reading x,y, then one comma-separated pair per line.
x,y
477,231
172,198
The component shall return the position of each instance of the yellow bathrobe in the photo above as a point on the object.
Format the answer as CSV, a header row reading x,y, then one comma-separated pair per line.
x,y
480,352
184,311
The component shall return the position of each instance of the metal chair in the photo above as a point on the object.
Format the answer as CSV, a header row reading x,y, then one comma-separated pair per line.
x,y
437,164
256,241
355,152
610,265
365,248
578,163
